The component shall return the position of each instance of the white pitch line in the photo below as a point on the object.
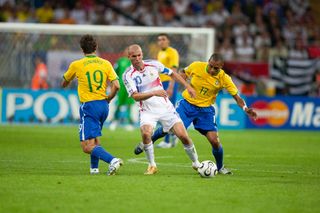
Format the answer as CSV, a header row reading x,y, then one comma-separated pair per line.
x,y
142,160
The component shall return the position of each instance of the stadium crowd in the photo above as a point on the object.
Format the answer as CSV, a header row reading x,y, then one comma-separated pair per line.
x,y
246,30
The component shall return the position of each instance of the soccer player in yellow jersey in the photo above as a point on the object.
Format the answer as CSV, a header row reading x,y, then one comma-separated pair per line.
x,y
93,73
169,57
207,78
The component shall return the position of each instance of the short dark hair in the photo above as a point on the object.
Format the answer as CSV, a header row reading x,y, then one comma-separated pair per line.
x,y
216,57
88,44
164,34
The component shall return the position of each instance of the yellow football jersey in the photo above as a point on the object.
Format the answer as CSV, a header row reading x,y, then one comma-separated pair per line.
x,y
92,73
170,59
207,86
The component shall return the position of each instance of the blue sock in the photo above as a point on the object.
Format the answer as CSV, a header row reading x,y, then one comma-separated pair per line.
x,y
167,138
94,161
158,134
102,154
218,155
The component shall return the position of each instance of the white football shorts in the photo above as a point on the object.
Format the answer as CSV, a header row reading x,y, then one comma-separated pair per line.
x,y
167,120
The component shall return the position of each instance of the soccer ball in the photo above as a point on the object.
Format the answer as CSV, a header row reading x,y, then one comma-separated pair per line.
x,y
207,169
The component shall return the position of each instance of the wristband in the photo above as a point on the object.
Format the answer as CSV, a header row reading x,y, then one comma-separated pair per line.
x,y
244,107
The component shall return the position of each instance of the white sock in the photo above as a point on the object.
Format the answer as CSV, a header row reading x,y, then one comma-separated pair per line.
x,y
148,149
192,154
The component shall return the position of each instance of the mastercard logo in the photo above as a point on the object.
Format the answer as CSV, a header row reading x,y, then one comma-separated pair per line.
x,y
274,113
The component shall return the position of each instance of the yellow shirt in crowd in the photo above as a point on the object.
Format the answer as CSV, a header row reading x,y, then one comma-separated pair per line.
x,y
170,59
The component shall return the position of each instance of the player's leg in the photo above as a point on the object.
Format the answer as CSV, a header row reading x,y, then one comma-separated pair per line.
x,y
206,125
156,135
94,161
97,151
217,152
146,131
159,132
171,137
147,124
90,128
181,132
185,116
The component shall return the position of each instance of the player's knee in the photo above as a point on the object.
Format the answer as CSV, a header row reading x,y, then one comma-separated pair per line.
x,y
146,136
87,149
215,144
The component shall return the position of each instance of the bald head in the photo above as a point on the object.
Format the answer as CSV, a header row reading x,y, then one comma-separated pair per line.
x,y
135,55
134,48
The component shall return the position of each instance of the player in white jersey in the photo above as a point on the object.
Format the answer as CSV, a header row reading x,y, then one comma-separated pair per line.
x,y
143,84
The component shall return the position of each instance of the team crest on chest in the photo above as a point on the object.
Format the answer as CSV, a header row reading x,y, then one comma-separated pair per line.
x,y
216,83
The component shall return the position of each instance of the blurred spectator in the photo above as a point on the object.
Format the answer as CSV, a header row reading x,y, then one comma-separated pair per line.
x,y
217,15
180,7
39,79
299,51
245,52
279,50
189,19
263,53
299,7
79,15
66,19
262,39
45,14
226,50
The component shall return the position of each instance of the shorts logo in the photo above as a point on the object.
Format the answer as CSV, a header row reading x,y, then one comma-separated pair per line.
x,y
274,113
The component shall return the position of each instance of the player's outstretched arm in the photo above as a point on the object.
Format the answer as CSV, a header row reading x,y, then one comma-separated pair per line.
x,y
181,80
249,111
137,96
115,86
64,83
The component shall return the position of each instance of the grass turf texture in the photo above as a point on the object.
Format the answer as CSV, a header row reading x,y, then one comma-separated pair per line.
x,y
43,169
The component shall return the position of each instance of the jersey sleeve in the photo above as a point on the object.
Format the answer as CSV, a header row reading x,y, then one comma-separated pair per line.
x,y
129,84
162,69
188,70
229,85
71,72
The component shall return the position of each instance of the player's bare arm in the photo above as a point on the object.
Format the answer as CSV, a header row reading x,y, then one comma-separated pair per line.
x,y
249,111
170,88
183,75
171,85
143,96
115,86
182,81
64,83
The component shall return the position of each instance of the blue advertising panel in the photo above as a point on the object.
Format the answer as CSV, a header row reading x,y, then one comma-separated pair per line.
x,y
229,114
285,113
43,106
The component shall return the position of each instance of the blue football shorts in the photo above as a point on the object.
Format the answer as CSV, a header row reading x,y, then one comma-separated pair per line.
x,y
173,98
92,116
203,118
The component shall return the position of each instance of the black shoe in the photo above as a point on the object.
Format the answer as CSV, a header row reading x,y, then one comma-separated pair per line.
x,y
139,149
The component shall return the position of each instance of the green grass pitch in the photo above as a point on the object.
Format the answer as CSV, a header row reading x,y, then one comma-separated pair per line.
x,y
42,169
